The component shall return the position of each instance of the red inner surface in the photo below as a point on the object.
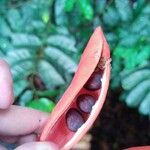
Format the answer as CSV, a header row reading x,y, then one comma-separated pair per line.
x,y
59,133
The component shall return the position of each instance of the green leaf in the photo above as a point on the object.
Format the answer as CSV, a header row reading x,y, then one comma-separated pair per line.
x,y
111,37
22,70
129,40
139,4
143,55
42,104
124,9
1,54
115,77
4,28
63,42
141,23
60,15
35,26
28,12
45,16
69,4
58,57
25,40
86,9
136,85
19,86
134,78
144,107
49,75
111,17
18,56
127,56
62,30
14,19
136,96
48,93
5,45
26,97
100,6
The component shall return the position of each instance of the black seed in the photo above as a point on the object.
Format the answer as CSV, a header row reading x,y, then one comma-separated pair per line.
x,y
94,82
74,119
85,102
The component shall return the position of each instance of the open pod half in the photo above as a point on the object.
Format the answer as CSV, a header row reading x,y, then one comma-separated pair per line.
x,y
82,101
139,148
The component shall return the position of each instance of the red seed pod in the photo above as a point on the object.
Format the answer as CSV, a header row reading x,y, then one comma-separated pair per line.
x,y
139,148
94,82
74,119
85,102
66,125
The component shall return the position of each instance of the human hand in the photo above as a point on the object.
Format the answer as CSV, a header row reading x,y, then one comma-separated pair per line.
x,y
19,124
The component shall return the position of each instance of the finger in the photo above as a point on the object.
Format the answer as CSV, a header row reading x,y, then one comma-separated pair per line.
x,y
19,139
9,139
27,139
38,146
19,120
6,88
2,148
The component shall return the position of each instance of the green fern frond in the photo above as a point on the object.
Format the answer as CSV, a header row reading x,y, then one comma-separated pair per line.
x,y
63,42
137,86
144,107
137,94
25,33
134,78
49,75
25,40
58,57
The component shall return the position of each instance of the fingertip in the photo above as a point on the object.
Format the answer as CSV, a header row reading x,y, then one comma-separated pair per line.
x,y
8,139
2,148
4,104
3,62
26,139
38,146
6,86
43,118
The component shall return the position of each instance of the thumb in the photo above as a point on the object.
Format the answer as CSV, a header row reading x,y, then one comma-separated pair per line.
x,y
38,146
6,86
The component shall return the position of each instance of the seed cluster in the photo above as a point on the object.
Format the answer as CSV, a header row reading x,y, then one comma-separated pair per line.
x,y
85,102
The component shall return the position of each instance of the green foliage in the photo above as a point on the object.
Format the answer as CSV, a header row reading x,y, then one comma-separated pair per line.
x,y
84,7
43,41
42,104
69,4
130,51
137,86
129,55
124,9
126,25
34,48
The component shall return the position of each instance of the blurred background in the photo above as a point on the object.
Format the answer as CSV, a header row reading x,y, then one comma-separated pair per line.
x,y
42,40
